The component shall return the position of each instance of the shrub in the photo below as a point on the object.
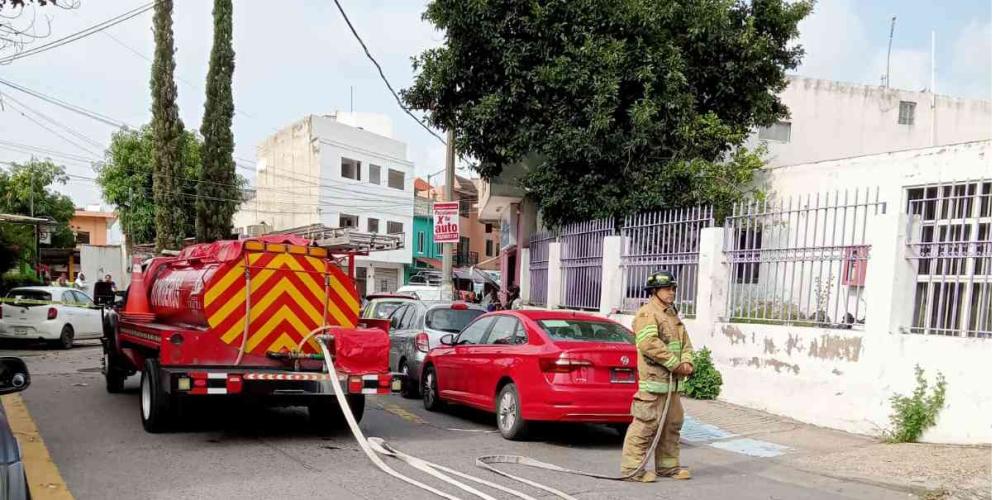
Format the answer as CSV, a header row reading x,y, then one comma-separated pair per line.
x,y
912,415
14,279
705,382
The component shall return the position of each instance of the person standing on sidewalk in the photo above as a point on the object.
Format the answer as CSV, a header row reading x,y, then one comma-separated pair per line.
x,y
665,360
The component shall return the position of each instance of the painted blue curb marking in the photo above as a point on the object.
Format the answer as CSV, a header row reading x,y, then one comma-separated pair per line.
x,y
751,447
697,432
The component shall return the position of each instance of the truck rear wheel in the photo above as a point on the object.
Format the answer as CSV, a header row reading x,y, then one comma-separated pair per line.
x,y
155,404
326,415
114,375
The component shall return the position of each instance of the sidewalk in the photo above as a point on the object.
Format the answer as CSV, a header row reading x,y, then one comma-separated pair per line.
x,y
927,470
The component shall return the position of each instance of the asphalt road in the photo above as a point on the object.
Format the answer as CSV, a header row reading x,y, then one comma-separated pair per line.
x,y
98,443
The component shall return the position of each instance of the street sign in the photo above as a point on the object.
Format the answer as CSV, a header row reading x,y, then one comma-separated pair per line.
x,y
446,222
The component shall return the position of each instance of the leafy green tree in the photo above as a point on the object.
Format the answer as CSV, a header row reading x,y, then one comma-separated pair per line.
x,y
169,209
126,181
26,189
630,105
217,196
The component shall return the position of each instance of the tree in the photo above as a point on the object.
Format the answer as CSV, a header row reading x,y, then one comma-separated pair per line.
x,y
25,190
168,131
628,106
18,30
126,181
217,198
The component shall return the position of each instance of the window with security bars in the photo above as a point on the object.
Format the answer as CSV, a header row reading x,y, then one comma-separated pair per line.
x,y
951,248
394,227
907,110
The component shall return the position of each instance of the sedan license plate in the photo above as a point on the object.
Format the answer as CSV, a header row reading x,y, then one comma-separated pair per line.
x,y
20,330
622,376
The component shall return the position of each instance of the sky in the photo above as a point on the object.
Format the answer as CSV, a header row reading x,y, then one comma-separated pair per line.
x,y
300,58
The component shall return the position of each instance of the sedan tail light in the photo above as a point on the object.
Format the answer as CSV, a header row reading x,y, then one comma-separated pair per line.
x,y
562,364
423,342
53,312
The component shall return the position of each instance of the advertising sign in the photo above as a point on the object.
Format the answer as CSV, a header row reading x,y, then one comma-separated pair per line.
x,y
446,222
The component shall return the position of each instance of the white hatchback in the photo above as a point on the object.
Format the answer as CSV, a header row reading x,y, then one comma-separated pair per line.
x,y
55,314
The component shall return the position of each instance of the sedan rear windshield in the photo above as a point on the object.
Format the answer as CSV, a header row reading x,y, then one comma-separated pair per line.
x,y
451,320
28,297
585,331
383,308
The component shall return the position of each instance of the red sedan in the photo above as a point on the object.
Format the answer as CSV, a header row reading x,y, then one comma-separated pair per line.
x,y
535,366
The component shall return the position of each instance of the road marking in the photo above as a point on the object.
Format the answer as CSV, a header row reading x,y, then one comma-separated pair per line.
x,y
403,414
697,432
43,475
751,447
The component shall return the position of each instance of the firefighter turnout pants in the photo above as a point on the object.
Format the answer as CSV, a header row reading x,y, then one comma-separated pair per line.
x,y
646,410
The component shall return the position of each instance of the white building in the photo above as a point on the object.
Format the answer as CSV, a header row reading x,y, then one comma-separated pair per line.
x,y
340,170
830,120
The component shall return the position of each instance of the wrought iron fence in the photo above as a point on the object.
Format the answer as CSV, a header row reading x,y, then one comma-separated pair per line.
x,y
800,260
952,249
538,267
667,241
581,253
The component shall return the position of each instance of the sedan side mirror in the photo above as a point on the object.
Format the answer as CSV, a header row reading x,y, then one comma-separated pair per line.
x,y
448,339
13,375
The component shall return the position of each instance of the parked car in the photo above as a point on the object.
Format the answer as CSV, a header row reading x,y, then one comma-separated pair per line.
x,y
381,305
423,292
13,479
55,314
535,366
416,328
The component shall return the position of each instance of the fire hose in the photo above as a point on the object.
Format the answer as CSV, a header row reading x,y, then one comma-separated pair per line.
x,y
373,447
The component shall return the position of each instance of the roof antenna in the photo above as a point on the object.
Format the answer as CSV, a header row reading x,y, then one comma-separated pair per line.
x,y
888,57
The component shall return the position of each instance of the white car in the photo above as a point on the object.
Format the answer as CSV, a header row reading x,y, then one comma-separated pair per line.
x,y
50,313
423,292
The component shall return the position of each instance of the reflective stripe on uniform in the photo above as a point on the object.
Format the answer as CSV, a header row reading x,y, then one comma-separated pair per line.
x,y
655,387
672,362
686,358
674,346
645,332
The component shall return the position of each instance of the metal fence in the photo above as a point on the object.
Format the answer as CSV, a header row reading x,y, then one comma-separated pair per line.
x,y
800,260
952,249
582,250
667,241
538,267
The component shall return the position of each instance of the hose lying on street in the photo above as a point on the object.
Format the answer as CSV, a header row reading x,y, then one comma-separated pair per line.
x,y
373,447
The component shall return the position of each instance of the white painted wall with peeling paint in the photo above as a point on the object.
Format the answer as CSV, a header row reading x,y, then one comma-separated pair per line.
x,y
844,378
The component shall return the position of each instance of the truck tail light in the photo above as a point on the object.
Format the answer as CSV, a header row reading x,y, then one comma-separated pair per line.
x,y
53,312
423,342
562,364
354,384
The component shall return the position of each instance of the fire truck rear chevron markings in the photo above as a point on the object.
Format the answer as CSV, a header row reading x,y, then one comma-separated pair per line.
x,y
287,298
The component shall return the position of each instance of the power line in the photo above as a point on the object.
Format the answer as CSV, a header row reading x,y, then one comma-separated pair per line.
x,y
55,123
57,134
65,105
79,34
382,74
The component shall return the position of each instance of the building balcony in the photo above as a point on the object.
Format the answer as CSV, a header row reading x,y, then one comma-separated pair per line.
x,y
423,207
497,194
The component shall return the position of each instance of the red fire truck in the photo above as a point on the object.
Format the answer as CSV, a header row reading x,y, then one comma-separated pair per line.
x,y
239,319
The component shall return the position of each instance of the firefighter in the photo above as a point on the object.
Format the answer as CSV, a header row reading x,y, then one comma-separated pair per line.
x,y
665,358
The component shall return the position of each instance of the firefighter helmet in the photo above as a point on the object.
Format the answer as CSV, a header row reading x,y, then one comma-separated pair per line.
x,y
660,279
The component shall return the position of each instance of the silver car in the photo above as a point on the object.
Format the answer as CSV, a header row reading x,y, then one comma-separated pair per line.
x,y
417,327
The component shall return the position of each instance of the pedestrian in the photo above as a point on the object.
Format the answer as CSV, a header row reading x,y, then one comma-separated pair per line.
x,y
665,360
108,279
514,298
81,282
62,281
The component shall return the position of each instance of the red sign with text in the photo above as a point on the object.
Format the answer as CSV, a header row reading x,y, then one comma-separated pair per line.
x,y
446,222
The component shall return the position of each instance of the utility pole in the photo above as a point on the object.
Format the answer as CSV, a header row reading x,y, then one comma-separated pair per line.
x,y
31,204
446,248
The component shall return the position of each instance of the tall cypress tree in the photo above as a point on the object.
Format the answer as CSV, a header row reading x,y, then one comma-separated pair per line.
x,y
167,134
217,191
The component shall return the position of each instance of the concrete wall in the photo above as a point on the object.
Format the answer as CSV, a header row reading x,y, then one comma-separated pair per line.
x,y
832,120
841,378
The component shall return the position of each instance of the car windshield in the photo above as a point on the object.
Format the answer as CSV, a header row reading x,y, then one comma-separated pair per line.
x,y
585,331
451,320
28,297
383,308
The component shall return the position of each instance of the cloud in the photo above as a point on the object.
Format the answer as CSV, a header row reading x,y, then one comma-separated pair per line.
x,y
969,67
833,37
